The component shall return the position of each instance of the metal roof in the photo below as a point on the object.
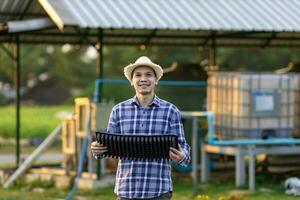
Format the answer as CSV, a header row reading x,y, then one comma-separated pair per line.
x,y
23,15
11,10
161,22
229,15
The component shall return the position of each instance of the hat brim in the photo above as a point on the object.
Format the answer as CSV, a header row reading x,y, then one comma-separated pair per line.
x,y
130,68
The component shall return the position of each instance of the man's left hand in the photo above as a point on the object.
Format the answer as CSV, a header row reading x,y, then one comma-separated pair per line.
x,y
176,155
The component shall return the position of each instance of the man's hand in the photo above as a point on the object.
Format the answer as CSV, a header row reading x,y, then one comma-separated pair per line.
x,y
97,149
176,155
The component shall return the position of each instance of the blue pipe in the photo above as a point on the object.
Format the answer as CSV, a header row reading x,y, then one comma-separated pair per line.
x,y
98,95
211,130
211,139
281,141
82,159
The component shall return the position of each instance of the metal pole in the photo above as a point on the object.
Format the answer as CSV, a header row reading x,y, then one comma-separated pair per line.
x,y
17,87
33,156
252,156
99,67
98,97
205,164
212,53
195,149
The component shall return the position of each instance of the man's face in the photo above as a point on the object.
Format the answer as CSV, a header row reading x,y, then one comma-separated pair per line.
x,y
143,79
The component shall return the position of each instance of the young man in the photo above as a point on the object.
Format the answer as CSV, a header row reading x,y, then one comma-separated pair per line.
x,y
145,113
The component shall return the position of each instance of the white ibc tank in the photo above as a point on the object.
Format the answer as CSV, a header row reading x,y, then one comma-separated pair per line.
x,y
252,105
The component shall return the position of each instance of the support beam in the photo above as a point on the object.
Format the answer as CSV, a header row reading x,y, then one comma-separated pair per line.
x,y
100,55
99,67
205,164
212,53
98,96
252,156
208,38
148,39
240,173
17,87
269,40
195,149
28,162
84,37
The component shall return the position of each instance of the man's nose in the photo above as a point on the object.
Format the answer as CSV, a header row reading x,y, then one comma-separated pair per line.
x,y
143,78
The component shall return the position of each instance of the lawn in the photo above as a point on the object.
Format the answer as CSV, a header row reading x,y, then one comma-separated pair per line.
x,y
267,189
36,121
40,121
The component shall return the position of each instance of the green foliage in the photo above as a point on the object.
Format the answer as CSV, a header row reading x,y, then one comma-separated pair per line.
x,y
6,65
67,67
38,183
183,190
35,121
255,59
2,99
117,57
71,70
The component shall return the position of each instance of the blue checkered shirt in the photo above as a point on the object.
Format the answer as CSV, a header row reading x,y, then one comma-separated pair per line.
x,y
147,178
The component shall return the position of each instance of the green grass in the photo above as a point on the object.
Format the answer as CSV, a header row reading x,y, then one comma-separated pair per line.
x,y
36,121
183,190
40,121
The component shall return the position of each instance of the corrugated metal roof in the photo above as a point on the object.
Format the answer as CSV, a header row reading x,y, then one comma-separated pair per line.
x,y
11,10
228,15
157,22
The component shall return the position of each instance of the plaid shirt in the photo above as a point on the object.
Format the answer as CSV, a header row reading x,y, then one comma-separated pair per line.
x,y
146,179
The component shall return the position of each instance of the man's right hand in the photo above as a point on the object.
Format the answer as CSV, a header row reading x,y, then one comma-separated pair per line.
x,y
97,149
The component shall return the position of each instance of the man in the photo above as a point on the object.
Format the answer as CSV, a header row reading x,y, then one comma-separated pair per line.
x,y
145,113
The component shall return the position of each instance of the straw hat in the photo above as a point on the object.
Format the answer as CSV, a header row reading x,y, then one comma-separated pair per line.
x,y
143,61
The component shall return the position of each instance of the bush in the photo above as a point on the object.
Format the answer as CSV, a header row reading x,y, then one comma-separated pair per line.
x,y
3,99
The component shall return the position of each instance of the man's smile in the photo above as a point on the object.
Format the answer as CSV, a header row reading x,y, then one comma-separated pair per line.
x,y
144,85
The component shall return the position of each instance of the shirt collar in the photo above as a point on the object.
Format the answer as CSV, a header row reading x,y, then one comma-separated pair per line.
x,y
155,102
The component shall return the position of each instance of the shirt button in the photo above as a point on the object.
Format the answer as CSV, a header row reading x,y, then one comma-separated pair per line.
x,y
142,125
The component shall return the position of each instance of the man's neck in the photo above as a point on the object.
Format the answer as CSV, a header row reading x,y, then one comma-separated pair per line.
x,y
145,100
